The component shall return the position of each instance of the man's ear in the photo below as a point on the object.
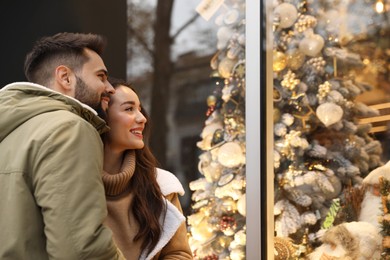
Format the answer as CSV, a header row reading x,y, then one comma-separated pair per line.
x,y
63,78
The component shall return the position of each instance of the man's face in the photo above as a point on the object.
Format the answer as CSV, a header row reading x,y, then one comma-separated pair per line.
x,y
87,95
92,83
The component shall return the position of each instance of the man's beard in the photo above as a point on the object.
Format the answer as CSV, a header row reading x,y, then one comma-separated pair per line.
x,y
101,112
86,94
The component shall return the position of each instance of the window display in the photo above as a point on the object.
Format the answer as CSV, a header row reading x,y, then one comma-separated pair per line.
x,y
218,225
331,181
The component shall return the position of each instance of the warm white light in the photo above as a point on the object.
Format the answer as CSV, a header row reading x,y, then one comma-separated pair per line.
x,y
379,6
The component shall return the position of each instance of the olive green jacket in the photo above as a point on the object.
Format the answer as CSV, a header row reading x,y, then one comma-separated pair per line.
x,y
52,198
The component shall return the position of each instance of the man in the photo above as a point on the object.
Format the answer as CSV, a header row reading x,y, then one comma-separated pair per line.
x,y
52,198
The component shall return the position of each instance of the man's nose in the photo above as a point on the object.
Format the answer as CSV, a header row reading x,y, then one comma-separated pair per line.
x,y
109,88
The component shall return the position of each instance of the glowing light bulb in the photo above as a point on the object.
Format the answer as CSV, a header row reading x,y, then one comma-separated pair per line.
x,y
379,6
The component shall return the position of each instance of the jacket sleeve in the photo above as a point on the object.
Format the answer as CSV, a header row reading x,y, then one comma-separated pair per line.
x,y
178,247
68,189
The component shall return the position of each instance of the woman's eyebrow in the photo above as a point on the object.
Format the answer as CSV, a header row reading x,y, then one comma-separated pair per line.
x,y
128,103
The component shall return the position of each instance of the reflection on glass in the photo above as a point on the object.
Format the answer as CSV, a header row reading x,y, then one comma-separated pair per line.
x,y
217,224
330,67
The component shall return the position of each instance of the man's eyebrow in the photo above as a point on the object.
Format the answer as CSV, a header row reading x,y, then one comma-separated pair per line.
x,y
104,71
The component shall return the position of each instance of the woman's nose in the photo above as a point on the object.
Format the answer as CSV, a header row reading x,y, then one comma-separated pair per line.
x,y
141,118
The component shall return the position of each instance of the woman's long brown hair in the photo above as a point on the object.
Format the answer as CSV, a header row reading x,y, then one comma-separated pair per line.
x,y
148,203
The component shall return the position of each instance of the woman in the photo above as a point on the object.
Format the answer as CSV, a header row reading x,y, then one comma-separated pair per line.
x,y
144,210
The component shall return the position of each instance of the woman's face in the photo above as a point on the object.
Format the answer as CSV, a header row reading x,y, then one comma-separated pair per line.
x,y
125,119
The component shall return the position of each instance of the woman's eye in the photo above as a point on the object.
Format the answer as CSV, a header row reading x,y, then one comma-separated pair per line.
x,y
129,109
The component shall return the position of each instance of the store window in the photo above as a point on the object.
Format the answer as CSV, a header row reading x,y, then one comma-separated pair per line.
x,y
330,71
203,118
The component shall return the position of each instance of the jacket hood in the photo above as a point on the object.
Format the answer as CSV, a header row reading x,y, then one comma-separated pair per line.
x,y
22,101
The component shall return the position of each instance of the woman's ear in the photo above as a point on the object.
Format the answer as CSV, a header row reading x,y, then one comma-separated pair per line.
x,y
63,79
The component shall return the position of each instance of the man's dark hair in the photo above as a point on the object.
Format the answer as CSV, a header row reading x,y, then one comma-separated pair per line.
x,y
60,49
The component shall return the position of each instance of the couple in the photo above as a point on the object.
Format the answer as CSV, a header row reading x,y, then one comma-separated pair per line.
x,y
52,173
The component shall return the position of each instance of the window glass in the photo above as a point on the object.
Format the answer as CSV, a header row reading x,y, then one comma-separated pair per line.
x,y
330,116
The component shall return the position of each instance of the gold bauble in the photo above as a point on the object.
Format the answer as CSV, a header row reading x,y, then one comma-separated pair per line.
x,y
283,248
279,61
211,100
295,59
202,232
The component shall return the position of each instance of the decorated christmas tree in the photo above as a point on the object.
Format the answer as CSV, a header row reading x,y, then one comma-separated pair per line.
x,y
321,152
217,223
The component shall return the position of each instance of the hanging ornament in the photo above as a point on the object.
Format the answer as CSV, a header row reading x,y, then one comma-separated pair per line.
x,y
225,67
230,155
295,59
290,81
329,113
224,34
228,225
279,61
240,237
225,179
305,22
312,44
231,17
218,137
286,14
207,135
237,254
283,248
211,100
203,231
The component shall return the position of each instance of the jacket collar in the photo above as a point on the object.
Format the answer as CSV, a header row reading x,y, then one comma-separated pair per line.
x,y
171,222
64,102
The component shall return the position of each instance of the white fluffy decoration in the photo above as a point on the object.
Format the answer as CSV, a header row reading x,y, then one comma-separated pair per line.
x,y
373,176
368,240
371,209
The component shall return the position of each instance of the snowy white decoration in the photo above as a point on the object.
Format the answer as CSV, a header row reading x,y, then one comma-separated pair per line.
x,y
312,44
308,218
287,14
230,154
351,240
231,17
287,119
280,129
373,177
329,113
288,218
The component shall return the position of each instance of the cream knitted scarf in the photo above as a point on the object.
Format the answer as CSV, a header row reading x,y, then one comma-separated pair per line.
x,y
116,184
